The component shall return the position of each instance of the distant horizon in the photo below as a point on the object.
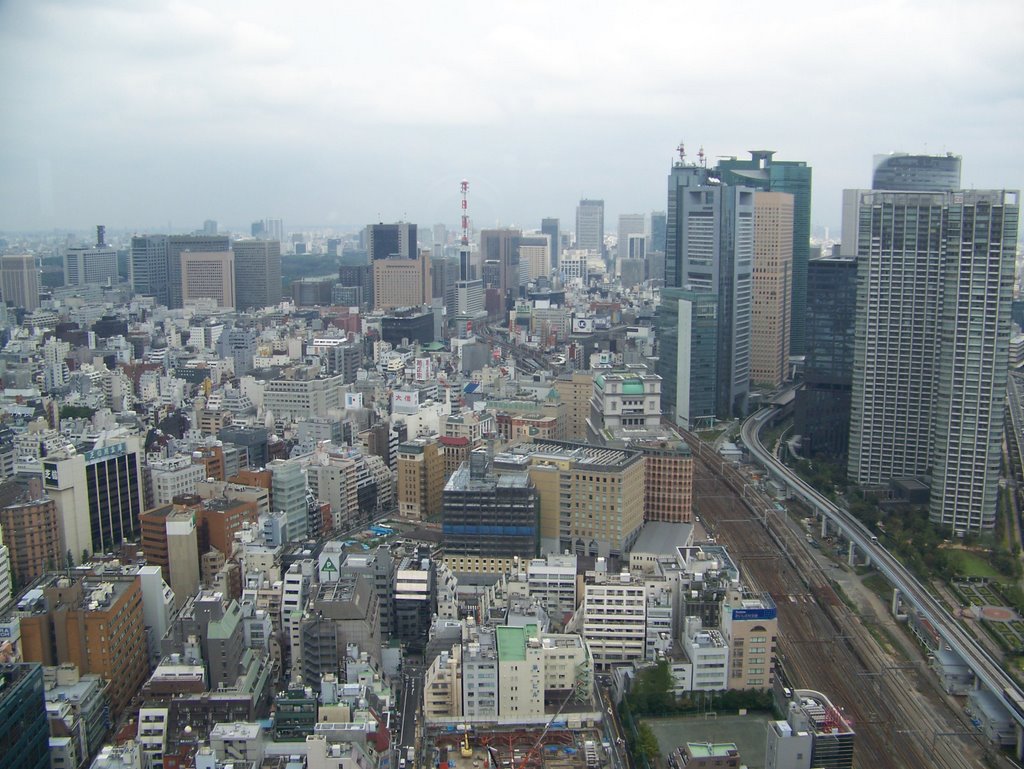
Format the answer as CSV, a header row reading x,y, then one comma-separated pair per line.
x,y
319,229
152,111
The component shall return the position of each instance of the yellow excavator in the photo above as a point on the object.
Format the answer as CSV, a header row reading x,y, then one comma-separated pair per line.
x,y
466,750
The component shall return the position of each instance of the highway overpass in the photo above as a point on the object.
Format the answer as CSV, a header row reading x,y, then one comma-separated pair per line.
x,y
987,670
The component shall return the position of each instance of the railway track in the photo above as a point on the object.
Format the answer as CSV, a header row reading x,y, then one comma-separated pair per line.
x,y
900,718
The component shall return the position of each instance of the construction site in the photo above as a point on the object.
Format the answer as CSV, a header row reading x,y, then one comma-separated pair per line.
x,y
549,748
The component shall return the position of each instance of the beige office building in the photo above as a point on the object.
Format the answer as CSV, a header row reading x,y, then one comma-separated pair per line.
x,y
772,286
575,391
591,498
183,554
401,282
537,258
208,275
420,478
19,281
750,626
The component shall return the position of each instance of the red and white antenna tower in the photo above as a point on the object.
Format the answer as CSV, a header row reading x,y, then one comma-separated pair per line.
x,y
464,187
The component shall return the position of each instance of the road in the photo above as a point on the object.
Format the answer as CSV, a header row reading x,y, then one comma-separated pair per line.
x,y
613,732
412,696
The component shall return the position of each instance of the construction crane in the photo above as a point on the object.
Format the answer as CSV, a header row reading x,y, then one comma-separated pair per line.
x,y
539,744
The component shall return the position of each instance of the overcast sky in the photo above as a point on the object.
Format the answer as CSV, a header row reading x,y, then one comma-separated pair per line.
x,y
149,115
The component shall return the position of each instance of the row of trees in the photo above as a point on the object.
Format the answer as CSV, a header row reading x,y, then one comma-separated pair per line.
x,y
903,528
651,695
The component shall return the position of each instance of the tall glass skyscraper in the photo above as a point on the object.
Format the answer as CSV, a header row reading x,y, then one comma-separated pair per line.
x,y
822,409
935,283
763,172
659,220
257,273
549,227
686,324
710,249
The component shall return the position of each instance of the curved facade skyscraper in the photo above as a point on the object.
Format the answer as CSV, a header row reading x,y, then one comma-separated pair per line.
x,y
916,173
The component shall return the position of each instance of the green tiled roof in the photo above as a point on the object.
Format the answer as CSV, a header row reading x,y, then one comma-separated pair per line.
x,y
225,626
512,642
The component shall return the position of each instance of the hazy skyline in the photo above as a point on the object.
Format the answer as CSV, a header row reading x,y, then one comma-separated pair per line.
x,y
138,114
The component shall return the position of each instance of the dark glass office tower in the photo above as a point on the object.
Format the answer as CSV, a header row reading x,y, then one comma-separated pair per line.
x,y
659,221
686,325
149,267
384,240
550,228
710,249
822,408
257,273
24,729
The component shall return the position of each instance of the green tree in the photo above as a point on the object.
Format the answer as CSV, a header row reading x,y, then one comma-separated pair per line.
x,y
647,743
652,691
76,412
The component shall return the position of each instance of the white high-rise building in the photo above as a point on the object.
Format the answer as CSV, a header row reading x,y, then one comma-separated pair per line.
x,y
630,224
174,476
613,618
552,581
935,283
90,264
56,374
470,298
5,571
98,493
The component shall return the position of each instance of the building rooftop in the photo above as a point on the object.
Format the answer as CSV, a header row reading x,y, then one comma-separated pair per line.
x,y
84,685
463,480
225,626
709,638
343,590
237,730
712,749
512,642
663,538
582,454
666,445
90,591
812,710
13,673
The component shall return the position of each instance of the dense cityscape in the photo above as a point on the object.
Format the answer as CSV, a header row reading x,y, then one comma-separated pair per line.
x,y
694,489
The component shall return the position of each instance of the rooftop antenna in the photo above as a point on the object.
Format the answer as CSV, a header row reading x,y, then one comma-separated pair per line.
x,y
464,188
701,157
681,149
